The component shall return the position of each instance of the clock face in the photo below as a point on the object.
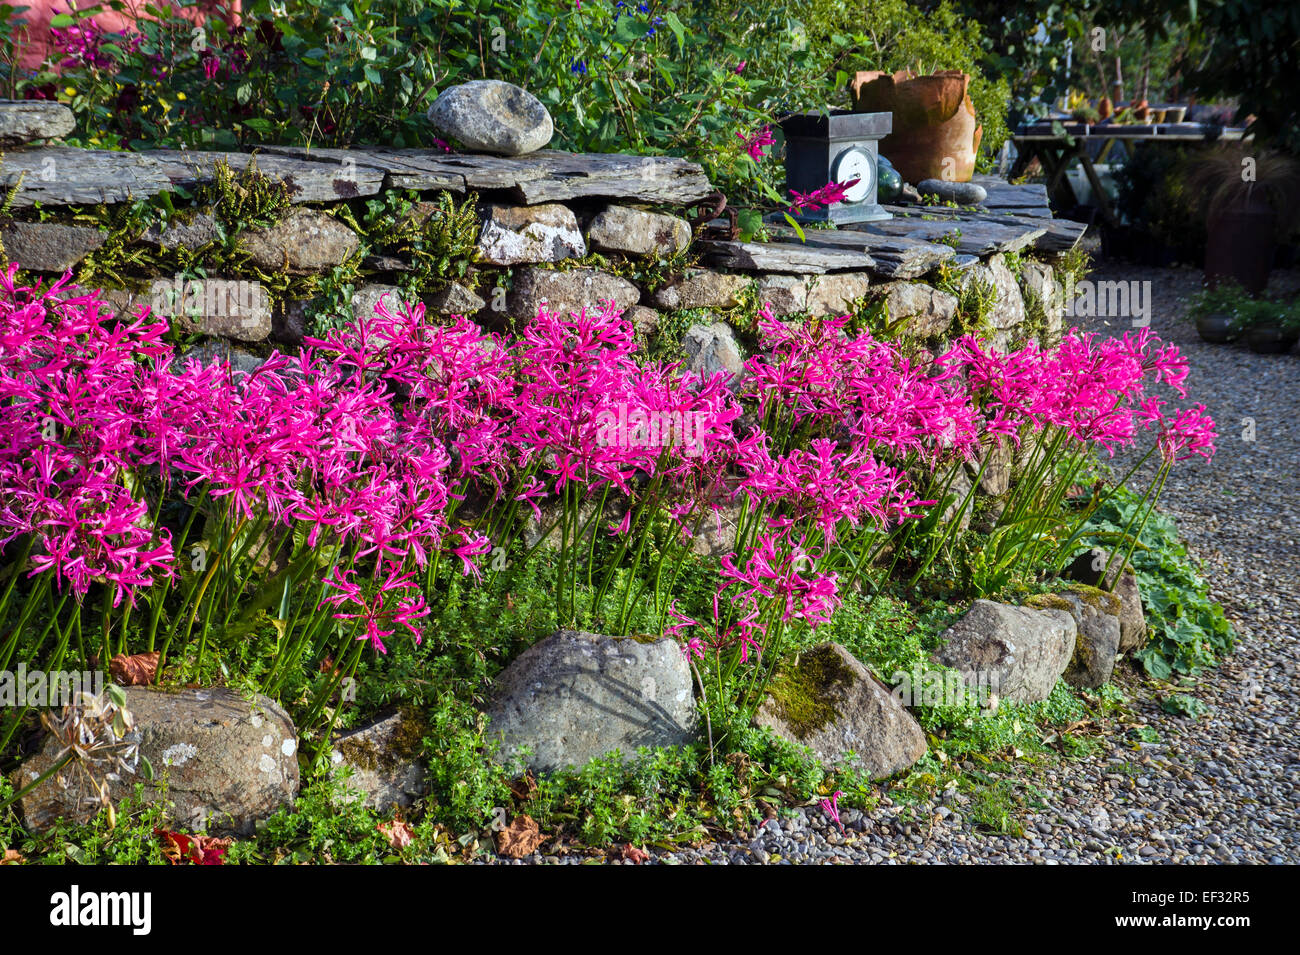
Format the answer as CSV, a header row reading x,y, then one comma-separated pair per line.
x,y
855,163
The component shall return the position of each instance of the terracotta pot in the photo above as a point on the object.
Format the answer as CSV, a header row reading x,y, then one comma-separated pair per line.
x,y
934,121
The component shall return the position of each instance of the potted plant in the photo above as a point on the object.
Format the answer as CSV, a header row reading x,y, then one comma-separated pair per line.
x,y
935,135
1249,203
1270,327
1215,312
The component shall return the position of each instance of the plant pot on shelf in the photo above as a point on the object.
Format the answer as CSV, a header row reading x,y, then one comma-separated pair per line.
x,y
1268,338
935,135
1216,328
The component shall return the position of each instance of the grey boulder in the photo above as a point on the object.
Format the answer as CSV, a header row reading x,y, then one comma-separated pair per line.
x,y
828,701
1096,617
380,765
227,763
1088,568
1016,652
575,696
492,116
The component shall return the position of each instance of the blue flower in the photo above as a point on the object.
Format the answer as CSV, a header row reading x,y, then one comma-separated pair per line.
x,y
579,66
643,7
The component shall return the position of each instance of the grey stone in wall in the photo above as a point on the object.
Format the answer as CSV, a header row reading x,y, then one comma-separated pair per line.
x,y
712,348
929,311
567,291
1008,311
834,295
228,308
304,241
703,288
787,294
49,246
634,232
455,299
192,234
515,235
22,121
1039,279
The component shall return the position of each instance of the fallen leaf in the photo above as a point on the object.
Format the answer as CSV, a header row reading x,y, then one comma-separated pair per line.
x,y
630,853
138,669
181,849
520,838
11,857
523,787
397,832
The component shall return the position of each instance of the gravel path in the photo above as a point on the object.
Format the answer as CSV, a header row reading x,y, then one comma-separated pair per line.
x,y
1222,788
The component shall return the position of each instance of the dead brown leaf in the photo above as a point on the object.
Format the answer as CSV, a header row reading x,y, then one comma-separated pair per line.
x,y
11,857
630,853
397,832
520,838
138,669
523,787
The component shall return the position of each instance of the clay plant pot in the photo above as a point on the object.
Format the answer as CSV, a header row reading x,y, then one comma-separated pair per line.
x,y
1241,244
935,134
1271,339
1216,328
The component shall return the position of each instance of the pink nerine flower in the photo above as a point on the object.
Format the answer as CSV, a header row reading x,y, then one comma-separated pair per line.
x,y
755,144
827,195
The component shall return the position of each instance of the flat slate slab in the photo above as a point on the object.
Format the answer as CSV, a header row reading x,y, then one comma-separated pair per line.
x,y
1060,235
894,256
64,175
308,180
791,257
547,175
978,236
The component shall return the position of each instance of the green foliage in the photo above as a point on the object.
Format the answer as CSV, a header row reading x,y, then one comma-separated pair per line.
x,y
128,840
245,198
1188,631
1156,198
438,238
668,79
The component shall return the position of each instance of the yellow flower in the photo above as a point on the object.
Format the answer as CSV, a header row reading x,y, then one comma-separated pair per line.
x,y
180,96
70,91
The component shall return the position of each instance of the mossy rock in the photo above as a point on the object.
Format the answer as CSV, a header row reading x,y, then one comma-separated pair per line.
x,y
826,700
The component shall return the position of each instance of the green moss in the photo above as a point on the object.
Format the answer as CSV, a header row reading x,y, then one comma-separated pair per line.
x,y
1049,602
404,743
1096,598
803,693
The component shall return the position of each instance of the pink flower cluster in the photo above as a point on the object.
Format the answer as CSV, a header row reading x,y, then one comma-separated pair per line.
x,y
371,438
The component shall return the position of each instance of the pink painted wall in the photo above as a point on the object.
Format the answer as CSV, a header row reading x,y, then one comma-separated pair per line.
x,y
37,45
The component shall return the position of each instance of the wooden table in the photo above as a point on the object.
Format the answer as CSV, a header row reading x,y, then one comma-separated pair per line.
x,y
1057,145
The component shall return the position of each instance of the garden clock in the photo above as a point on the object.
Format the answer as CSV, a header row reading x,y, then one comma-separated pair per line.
x,y
836,147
